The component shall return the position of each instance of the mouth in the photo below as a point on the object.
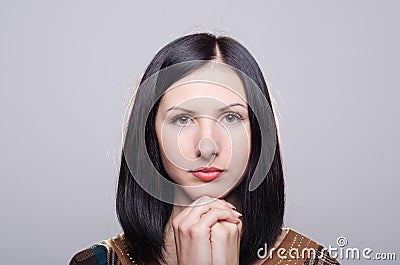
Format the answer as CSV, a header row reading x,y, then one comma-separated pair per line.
x,y
207,173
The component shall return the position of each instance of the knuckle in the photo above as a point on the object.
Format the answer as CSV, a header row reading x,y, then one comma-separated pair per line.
x,y
213,211
240,225
195,232
219,235
218,232
234,229
175,224
182,228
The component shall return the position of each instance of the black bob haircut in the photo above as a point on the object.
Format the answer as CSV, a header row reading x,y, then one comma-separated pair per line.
x,y
144,217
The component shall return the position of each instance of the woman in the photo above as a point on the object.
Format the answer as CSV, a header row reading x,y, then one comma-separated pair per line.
x,y
201,178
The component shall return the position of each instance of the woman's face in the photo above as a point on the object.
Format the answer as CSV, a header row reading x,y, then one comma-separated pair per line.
x,y
203,130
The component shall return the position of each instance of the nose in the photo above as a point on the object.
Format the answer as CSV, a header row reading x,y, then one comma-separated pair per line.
x,y
207,146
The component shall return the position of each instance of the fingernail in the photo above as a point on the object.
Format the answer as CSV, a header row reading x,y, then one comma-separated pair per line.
x,y
231,205
236,213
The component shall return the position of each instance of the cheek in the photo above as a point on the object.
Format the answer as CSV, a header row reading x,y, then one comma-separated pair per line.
x,y
240,139
171,167
240,152
177,146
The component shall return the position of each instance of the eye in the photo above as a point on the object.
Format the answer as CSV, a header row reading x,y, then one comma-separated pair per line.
x,y
182,120
232,118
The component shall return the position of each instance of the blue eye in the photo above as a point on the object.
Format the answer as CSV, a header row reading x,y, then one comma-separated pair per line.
x,y
232,118
181,120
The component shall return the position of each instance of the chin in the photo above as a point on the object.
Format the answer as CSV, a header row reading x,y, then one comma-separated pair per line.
x,y
205,190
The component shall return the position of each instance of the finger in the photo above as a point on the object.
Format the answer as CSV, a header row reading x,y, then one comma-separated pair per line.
x,y
225,243
196,213
201,201
220,232
217,214
240,227
193,214
232,230
229,204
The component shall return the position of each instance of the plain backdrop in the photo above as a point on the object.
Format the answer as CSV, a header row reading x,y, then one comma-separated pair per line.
x,y
67,69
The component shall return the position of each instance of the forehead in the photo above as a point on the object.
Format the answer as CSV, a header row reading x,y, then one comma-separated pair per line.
x,y
214,80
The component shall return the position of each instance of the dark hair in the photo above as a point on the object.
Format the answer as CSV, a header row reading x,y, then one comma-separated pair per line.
x,y
144,217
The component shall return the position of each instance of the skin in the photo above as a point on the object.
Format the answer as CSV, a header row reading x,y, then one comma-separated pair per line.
x,y
199,124
204,124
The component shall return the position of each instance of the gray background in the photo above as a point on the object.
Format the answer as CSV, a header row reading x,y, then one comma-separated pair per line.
x,y
66,68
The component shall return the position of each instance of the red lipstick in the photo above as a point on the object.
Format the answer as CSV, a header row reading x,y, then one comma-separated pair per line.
x,y
207,173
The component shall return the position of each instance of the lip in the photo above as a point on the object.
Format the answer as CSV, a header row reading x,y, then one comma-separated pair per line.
x,y
207,173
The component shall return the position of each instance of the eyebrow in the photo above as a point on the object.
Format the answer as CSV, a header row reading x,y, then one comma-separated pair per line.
x,y
221,109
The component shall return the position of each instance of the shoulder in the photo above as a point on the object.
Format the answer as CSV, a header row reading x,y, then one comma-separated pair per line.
x,y
297,248
102,253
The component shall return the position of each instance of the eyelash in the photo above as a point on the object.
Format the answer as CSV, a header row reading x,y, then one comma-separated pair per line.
x,y
176,118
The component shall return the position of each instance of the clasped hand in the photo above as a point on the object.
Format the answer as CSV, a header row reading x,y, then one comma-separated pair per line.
x,y
208,234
